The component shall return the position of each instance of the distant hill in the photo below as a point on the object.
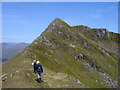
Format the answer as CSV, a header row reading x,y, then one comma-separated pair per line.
x,y
10,49
72,57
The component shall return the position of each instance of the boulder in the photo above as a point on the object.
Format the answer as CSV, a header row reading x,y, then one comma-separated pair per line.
x,y
4,79
36,42
78,82
72,45
28,75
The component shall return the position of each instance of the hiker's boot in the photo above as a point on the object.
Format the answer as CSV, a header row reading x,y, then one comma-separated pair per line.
x,y
39,80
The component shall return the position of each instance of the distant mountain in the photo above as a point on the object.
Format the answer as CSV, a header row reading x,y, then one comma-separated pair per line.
x,y
72,57
10,49
9,44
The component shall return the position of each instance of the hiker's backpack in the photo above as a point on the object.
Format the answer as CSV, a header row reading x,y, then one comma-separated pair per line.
x,y
34,65
39,69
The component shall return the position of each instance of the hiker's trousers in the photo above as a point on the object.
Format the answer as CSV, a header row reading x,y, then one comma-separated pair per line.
x,y
39,74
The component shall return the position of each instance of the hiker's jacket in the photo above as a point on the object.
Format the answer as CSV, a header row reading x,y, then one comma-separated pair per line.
x,y
38,65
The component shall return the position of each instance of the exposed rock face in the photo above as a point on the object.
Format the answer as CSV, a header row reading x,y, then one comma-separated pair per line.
x,y
83,28
82,52
95,33
100,37
110,82
81,43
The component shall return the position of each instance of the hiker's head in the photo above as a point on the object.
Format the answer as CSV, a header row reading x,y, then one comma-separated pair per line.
x,y
34,61
38,62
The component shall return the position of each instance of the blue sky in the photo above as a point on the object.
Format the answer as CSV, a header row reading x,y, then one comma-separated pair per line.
x,y
24,22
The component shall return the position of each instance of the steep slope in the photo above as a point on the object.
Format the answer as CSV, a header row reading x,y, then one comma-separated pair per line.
x,y
101,37
69,57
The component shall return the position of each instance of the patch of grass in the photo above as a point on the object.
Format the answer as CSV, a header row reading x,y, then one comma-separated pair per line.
x,y
59,63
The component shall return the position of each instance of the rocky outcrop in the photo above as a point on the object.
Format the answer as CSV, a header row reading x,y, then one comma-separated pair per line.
x,y
110,82
83,28
94,33
76,80
75,51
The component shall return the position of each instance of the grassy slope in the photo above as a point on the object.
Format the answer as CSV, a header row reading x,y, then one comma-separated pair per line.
x,y
59,68
21,80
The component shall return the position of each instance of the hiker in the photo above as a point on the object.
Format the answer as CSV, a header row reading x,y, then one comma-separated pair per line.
x,y
34,66
39,71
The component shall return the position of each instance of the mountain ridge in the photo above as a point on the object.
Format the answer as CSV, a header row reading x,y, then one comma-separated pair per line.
x,y
75,52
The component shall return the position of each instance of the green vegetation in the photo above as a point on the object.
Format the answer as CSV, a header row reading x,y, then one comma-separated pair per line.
x,y
67,55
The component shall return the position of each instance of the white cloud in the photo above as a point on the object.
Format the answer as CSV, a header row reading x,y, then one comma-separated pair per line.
x,y
95,15
99,12
107,9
